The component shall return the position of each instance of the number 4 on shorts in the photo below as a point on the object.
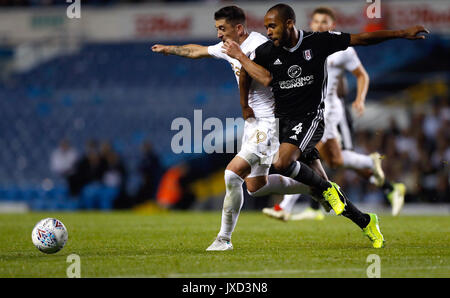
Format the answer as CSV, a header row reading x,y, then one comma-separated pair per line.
x,y
298,128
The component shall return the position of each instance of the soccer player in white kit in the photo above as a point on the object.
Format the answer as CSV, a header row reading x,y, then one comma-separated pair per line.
x,y
260,139
368,166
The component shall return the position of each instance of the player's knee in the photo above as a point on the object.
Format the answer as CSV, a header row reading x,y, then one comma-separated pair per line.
x,y
232,179
255,183
281,165
252,188
257,192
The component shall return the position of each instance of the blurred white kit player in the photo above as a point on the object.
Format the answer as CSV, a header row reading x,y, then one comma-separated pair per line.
x,y
337,64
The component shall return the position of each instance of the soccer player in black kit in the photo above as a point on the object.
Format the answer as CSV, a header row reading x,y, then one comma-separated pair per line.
x,y
293,63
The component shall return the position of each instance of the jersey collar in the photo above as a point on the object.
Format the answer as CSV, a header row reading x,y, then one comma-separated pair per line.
x,y
300,38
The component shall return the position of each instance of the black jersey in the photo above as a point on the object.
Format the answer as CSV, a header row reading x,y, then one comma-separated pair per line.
x,y
300,73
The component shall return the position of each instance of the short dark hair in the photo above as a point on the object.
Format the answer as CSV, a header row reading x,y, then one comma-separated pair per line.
x,y
285,11
232,14
325,10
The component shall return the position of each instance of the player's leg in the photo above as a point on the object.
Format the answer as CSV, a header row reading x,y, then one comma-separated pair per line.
x,y
288,165
235,173
259,183
351,212
313,211
394,192
330,152
369,166
282,210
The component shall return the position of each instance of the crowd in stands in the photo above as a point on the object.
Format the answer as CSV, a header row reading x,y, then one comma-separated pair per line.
x,y
99,175
417,156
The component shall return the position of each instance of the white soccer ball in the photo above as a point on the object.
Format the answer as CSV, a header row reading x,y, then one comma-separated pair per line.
x,y
49,235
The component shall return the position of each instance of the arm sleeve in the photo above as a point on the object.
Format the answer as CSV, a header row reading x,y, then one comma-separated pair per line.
x,y
333,41
216,51
351,60
259,57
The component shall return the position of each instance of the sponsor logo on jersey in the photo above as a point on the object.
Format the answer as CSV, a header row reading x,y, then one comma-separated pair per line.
x,y
277,62
294,137
335,32
307,54
298,82
294,71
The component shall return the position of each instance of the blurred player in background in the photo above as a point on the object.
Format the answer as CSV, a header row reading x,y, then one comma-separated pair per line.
x,y
336,147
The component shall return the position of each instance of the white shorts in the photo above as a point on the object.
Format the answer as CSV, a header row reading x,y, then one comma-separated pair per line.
x,y
259,144
334,113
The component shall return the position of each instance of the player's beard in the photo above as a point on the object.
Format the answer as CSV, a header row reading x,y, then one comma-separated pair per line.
x,y
284,39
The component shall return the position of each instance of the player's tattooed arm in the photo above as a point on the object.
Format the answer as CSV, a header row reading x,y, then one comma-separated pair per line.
x,y
244,87
256,71
362,82
192,51
369,38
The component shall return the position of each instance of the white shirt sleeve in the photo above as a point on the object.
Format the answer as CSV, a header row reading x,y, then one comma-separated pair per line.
x,y
351,61
216,51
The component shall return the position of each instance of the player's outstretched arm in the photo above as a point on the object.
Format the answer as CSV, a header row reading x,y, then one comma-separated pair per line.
x,y
244,87
256,71
362,83
192,51
369,38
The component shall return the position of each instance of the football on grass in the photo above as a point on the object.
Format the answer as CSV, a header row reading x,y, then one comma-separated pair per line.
x,y
49,235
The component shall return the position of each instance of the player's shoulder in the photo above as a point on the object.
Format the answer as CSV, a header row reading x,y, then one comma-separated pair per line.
x,y
319,35
266,47
310,37
348,53
253,41
256,36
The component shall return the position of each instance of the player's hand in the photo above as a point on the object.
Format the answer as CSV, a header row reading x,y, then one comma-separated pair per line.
x,y
247,113
232,49
359,107
159,48
413,32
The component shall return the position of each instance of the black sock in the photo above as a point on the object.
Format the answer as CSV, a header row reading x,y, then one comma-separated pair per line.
x,y
314,204
306,175
387,187
352,213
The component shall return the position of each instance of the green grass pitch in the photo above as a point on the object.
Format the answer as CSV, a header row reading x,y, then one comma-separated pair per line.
x,y
172,244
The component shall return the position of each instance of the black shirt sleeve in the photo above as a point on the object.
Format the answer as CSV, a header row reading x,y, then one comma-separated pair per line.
x,y
261,56
333,41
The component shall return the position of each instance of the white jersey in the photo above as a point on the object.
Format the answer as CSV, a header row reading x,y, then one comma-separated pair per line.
x,y
337,64
260,98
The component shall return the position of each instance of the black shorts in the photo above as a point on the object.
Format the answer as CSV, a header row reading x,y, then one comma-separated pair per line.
x,y
304,133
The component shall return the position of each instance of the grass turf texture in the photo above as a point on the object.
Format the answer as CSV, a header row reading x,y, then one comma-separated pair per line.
x,y
125,244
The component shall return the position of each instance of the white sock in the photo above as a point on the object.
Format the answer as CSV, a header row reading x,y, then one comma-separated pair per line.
x,y
288,202
280,185
232,204
358,161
